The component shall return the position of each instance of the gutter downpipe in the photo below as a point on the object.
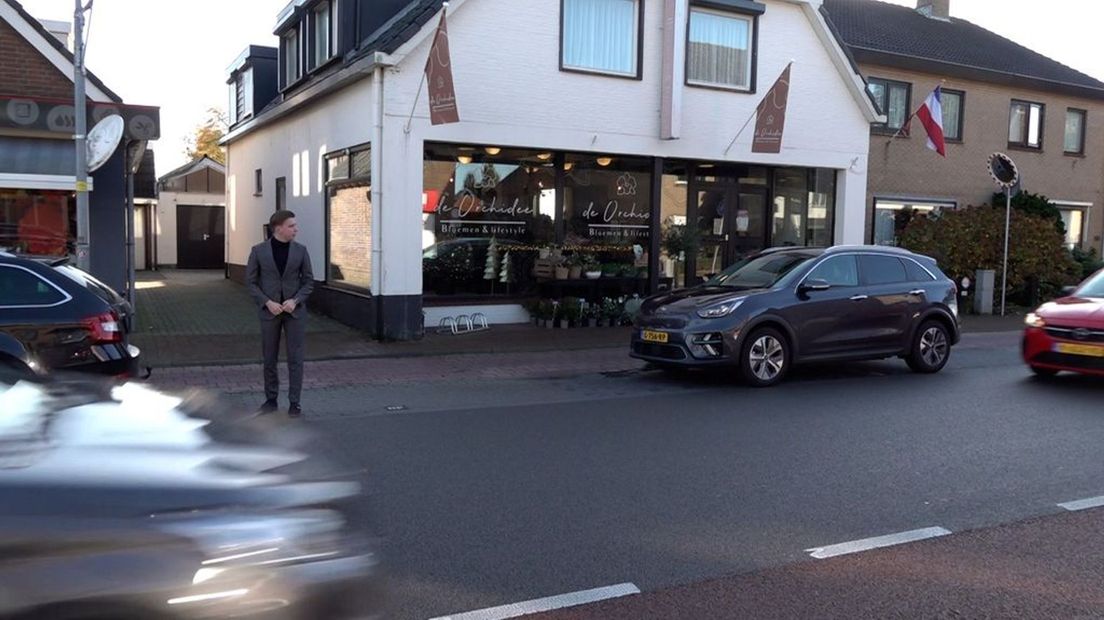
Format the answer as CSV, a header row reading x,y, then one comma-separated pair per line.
x,y
376,196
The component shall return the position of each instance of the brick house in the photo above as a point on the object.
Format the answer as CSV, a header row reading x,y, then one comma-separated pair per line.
x,y
593,128
37,155
997,96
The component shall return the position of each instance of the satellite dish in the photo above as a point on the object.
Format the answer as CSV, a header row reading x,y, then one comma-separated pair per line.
x,y
103,140
1003,170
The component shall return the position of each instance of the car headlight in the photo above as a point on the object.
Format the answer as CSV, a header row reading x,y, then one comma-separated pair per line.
x,y
720,310
1034,320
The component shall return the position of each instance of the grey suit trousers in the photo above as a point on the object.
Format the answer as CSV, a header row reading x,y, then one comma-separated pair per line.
x,y
296,331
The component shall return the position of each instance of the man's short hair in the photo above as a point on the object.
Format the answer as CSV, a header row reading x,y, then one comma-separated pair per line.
x,y
278,218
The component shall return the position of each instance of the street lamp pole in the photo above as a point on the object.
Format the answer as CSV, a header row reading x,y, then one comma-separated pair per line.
x,y
1007,226
80,108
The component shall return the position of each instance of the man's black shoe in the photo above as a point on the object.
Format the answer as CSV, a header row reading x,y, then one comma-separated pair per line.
x,y
269,406
295,411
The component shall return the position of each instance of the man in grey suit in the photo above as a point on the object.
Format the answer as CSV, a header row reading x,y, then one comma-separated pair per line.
x,y
280,280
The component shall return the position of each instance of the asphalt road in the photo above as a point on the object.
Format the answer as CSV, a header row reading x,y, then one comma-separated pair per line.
x,y
508,491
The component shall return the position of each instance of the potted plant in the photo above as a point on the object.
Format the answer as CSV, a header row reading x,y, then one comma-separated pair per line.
x,y
611,270
611,312
592,314
532,306
561,268
575,267
546,313
572,312
591,267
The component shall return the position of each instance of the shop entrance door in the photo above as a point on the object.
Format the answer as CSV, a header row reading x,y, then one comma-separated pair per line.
x,y
732,224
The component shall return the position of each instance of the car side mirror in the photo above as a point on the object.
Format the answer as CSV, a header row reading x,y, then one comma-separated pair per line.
x,y
1068,290
815,284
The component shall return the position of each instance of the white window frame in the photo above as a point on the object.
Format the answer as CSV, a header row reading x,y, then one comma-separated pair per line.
x,y
926,205
295,34
1086,210
636,71
748,86
65,297
315,59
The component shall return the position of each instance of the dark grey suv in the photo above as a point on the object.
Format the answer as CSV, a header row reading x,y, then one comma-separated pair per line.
x,y
788,306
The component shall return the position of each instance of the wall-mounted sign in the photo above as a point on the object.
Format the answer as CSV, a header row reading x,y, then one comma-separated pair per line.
x,y
140,122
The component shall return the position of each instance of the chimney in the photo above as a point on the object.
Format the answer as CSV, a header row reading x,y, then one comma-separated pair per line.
x,y
59,30
936,9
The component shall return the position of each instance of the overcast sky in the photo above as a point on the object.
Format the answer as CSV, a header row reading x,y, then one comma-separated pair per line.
x,y
174,54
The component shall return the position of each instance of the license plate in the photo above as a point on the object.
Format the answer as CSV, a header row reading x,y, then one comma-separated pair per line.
x,y
650,336
1087,350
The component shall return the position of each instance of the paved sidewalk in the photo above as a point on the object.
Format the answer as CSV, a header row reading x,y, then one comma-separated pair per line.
x,y
199,318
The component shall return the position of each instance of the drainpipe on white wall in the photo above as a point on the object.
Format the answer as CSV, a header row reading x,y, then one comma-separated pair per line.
x,y
377,187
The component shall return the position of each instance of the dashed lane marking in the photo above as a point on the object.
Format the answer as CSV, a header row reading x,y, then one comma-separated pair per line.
x,y
877,542
560,601
1082,504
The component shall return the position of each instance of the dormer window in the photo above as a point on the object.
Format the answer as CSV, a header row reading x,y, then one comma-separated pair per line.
x,y
289,56
241,96
322,31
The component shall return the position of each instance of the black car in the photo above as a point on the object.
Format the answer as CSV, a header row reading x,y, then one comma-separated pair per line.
x,y
794,305
56,317
121,502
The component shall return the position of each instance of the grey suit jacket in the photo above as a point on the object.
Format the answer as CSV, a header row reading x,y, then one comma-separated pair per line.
x,y
266,284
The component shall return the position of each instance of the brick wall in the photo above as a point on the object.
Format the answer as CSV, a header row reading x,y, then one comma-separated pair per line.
x,y
904,167
24,72
351,237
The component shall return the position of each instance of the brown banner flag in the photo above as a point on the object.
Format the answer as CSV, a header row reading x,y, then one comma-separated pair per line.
x,y
442,95
770,118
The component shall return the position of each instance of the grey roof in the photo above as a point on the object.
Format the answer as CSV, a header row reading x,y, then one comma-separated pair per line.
x,y
406,19
61,48
900,36
192,166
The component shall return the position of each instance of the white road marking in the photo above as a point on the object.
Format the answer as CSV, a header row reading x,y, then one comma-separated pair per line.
x,y
877,542
560,601
1082,504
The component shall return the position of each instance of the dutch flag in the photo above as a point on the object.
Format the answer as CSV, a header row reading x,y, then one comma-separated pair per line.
x,y
931,115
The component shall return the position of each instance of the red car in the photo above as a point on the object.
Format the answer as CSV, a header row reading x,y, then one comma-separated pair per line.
x,y
1068,334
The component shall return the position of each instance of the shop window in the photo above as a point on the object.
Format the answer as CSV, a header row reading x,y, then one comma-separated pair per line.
x,y
891,217
719,49
677,238
791,195
487,218
349,221
38,222
601,36
820,223
608,213
1025,125
893,101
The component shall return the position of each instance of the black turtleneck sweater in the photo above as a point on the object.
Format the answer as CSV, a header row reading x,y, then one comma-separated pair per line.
x,y
280,253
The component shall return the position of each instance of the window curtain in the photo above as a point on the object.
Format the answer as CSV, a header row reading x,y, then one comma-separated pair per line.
x,y
1074,128
600,35
719,49
898,106
952,110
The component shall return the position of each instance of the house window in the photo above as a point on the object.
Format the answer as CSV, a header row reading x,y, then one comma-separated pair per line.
x,y
719,49
281,193
892,216
1025,126
349,220
321,28
289,46
602,36
893,99
1075,132
258,182
1075,219
953,101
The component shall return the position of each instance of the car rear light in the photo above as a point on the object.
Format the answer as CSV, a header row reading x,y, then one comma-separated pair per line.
x,y
105,328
